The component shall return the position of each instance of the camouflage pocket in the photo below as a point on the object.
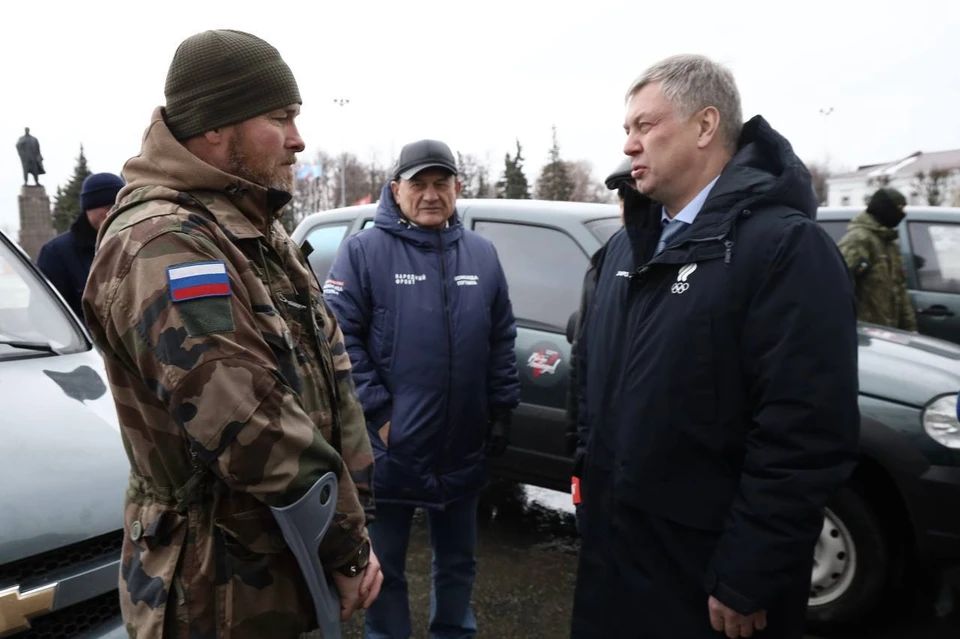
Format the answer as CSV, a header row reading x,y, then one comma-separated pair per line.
x,y
251,533
262,592
152,545
283,338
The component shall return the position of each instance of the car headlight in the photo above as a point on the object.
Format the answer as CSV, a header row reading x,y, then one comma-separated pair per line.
x,y
940,421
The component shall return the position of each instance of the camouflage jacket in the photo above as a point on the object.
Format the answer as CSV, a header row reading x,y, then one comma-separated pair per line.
x,y
234,393
872,254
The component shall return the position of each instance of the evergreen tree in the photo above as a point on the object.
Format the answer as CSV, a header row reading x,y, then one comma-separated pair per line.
x,y
514,185
554,182
67,206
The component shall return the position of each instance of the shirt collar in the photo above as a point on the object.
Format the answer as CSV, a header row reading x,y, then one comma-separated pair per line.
x,y
689,213
446,224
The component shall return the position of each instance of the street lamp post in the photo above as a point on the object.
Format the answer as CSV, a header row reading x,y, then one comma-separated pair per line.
x,y
343,160
826,149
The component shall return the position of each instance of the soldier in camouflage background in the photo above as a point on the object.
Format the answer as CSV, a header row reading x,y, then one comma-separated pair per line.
x,y
872,253
229,372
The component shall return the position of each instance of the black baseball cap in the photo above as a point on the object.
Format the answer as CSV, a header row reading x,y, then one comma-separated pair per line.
x,y
620,175
423,154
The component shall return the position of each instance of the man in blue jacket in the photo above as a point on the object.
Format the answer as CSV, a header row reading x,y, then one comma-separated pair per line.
x,y
428,324
65,260
718,373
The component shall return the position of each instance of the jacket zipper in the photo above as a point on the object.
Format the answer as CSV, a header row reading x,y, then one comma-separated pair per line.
x,y
446,328
328,372
723,237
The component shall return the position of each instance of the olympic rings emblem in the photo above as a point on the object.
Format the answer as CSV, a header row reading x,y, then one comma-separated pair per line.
x,y
679,288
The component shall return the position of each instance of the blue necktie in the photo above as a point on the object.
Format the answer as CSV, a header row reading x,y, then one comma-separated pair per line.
x,y
670,229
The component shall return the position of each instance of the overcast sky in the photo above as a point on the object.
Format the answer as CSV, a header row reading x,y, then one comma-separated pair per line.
x,y
480,74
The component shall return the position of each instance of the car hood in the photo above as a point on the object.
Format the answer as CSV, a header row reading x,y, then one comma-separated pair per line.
x,y
63,470
905,367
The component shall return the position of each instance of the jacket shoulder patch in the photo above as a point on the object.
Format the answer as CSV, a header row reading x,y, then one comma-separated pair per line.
x,y
198,280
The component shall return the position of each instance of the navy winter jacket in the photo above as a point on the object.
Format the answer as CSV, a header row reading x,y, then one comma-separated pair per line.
x,y
428,324
65,261
719,379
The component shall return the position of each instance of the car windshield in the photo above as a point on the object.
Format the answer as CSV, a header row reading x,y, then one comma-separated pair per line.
x,y
604,228
33,322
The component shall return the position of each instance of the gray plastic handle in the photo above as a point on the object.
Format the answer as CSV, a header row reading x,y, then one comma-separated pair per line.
x,y
304,523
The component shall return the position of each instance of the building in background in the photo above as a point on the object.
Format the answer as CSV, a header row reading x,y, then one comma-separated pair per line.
x,y
924,178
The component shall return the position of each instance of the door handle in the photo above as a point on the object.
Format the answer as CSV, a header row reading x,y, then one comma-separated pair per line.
x,y
937,310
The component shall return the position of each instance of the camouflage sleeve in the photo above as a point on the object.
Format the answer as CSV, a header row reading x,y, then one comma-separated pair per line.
x,y
210,366
355,442
856,254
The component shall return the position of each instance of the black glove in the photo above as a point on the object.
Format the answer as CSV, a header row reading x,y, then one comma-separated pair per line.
x,y
498,437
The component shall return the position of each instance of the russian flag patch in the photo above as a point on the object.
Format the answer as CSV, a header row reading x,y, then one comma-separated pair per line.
x,y
200,279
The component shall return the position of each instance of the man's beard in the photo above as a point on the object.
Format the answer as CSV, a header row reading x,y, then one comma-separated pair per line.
x,y
278,177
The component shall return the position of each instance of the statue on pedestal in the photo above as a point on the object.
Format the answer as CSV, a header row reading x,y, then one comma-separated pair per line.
x,y
29,149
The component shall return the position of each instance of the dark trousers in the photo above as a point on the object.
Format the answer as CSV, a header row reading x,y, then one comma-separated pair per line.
x,y
453,538
641,577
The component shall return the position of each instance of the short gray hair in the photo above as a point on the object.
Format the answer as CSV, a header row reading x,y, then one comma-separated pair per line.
x,y
694,82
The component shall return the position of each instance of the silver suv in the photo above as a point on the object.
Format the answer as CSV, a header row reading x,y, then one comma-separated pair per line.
x,y
62,467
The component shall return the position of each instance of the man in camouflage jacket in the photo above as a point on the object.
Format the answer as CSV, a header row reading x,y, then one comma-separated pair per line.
x,y
872,253
228,370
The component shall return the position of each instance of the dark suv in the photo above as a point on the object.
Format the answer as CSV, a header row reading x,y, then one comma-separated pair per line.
x,y
899,505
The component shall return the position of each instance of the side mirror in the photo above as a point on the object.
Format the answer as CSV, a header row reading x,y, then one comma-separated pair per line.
x,y
572,326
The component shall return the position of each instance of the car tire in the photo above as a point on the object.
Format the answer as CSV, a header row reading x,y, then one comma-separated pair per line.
x,y
851,565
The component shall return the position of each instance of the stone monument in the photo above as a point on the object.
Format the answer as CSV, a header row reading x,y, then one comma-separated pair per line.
x,y
36,224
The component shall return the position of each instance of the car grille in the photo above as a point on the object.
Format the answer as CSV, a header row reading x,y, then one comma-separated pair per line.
x,y
32,569
78,618
75,620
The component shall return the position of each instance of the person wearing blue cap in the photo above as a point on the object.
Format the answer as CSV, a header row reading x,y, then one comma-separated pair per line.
x,y
65,260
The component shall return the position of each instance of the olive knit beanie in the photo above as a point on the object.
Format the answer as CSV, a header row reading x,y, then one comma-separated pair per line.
x,y
218,78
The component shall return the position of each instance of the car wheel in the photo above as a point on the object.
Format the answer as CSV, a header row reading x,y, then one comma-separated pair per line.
x,y
850,564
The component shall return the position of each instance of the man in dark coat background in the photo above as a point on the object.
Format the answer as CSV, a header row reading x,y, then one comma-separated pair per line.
x,y
426,315
718,377
66,259
629,199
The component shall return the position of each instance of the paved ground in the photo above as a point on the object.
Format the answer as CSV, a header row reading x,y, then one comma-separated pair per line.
x,y
527,568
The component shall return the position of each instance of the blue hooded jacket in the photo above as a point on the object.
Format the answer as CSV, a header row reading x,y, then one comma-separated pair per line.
x,y
65,261
430,331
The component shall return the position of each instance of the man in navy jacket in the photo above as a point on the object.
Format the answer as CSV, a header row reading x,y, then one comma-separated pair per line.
x,y
718,373
66,259
426,316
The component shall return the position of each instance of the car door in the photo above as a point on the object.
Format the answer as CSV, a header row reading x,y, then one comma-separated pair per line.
x,y
935,277
325,240
544,268
836,229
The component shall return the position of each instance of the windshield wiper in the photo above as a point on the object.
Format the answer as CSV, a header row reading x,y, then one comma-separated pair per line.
x,y
43,347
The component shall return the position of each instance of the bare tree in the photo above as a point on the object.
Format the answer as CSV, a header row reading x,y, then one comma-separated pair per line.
x,y
377,176
356,180
474,176
819,173
934,186
312,190
585,187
